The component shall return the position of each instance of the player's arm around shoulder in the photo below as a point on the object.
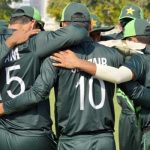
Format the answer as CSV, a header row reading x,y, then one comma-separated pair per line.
x,y
119,45
52,41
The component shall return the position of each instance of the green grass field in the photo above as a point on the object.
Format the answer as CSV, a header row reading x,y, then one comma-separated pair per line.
x,y
117,113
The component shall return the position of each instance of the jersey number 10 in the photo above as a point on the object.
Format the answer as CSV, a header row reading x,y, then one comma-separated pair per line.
x,y
91,101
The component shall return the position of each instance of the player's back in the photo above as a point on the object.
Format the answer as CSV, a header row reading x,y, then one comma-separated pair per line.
x,y
19,71
85,104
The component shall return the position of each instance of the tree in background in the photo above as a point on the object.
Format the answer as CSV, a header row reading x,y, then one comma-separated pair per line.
x,y
5,9
107,10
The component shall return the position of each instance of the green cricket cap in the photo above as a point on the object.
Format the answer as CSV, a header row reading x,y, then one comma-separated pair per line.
x,y
131,11
73,8
97,26
30,12
136,27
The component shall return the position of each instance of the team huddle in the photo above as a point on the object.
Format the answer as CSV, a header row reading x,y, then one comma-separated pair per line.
x,y
84,67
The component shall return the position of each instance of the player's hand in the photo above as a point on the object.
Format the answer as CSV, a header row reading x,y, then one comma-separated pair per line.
x,y
1,109
66,59
22,36
19,37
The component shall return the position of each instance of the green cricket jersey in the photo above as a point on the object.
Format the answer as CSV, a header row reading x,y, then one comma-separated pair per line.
x,y
19,71
84,104
3,48
139,64
129,128
125,103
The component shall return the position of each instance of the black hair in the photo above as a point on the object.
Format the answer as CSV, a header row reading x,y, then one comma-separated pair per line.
x,y
124,21
85,25
20,19
143,39
23,20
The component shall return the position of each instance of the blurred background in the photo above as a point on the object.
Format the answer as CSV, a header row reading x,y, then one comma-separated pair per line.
x,y
107,10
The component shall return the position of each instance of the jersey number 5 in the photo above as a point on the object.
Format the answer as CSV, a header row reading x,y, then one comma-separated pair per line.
x,y
10,79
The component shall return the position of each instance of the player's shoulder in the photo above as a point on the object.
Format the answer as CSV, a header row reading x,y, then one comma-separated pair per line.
x,y
48,61
38,38
107,48
147,49
136,58
47,65
42,34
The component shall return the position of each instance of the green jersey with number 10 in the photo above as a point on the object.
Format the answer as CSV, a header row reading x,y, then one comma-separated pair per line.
x,y
84,105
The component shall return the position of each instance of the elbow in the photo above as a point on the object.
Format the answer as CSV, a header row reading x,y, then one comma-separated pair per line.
x,y
117,81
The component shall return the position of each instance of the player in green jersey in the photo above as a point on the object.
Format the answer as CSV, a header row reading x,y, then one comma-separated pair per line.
x,y
98,29
30,129
128,13
128,116
128,139
11,106
138,70
16,38
84,105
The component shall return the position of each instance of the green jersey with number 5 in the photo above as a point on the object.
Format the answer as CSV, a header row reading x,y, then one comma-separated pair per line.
x,y
20,69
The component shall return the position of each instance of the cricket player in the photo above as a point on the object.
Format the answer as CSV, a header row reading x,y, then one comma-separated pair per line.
x,y
130,138
84,105
129,116
128,13
30,129
136,68
15,38
98,29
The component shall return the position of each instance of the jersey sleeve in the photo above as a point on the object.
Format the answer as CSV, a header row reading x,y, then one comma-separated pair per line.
x,y
38,92
118,58
136,65
3,51
49,42
137,92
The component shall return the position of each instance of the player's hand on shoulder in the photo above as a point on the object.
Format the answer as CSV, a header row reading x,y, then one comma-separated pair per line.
x,y
66,59
19,37
22,36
